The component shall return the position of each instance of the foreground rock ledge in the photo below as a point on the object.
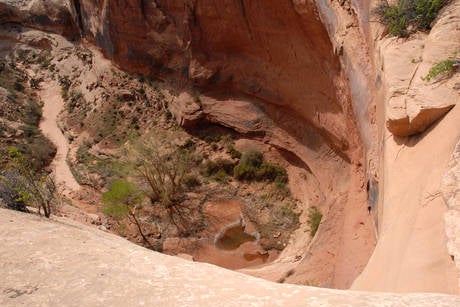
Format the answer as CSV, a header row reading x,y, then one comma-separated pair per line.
x,y
63,263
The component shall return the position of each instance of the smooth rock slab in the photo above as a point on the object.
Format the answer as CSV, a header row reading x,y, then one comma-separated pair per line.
x,y
63,263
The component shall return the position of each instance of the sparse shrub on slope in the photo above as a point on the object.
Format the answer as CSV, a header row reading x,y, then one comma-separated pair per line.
x,y
123,201
31,187
441,68
314,219
253,167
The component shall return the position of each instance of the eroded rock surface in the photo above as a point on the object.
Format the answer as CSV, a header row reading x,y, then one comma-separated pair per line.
x,y
301,76
61,262
54,15
450,189
414,104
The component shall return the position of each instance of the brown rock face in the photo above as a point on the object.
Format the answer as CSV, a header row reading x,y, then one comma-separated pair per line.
x,y
264,68
55,16
277,51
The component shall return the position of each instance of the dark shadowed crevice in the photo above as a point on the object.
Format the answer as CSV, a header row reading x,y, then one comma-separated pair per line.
x,y
77,6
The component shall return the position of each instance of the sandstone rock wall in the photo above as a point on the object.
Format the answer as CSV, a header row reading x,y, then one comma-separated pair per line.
x,y
319,79
262,67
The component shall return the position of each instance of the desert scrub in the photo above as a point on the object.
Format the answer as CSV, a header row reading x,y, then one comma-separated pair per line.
x,y
253,167
441,68
233,152
220,166
407,16
313,220
65,84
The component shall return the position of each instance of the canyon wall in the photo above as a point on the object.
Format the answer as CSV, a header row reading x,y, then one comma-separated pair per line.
x,y
266,68
319,80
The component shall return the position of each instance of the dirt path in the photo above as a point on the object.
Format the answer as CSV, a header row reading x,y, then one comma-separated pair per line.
x,y
53,104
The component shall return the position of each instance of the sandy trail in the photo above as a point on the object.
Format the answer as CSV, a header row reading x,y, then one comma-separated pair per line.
x,y
53,104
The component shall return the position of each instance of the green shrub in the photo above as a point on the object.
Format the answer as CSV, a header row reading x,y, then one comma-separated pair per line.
x,y
18,86
426,11
226,165
272,172
244,172
396,19
220,176
445,67
405,13
65,84
252,158
33,113
191,181
120,198
189,144
33,187
211,168
226,138
252,167
314,219
233,152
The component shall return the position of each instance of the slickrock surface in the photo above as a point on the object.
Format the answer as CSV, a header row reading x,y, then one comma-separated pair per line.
x,y
63,263
450,189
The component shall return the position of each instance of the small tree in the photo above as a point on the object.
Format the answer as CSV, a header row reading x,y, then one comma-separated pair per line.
x,y
163,172
124,200
34,188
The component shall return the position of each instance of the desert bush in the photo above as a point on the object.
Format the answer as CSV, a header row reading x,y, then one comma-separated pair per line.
x,y
33,188
271,172
313,220
65,84
33,113
408,15
124,200
233,152
35,83
163,171
37,149
253,167
40,151
75,99
189,144
285,216
9,196
441,68
210,168
252,158
18,86
191,181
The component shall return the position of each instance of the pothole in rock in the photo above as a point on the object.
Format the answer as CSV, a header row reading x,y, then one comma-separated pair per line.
x,y
229,241
233,236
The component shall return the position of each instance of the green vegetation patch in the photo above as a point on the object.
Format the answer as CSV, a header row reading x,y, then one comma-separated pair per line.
x,y
441,68
407,16
314,219
253,167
